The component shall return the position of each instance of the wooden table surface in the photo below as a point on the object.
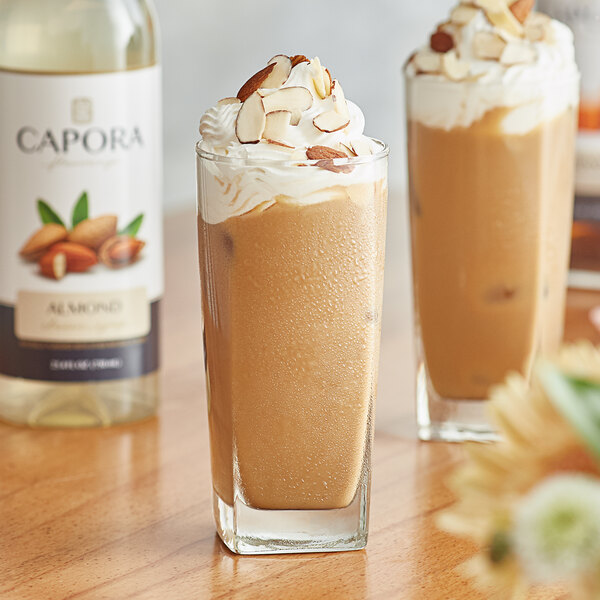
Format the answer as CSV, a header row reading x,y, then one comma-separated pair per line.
x,y
126,512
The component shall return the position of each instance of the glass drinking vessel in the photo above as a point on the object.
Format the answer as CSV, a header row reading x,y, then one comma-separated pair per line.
x,y
491,209
291,298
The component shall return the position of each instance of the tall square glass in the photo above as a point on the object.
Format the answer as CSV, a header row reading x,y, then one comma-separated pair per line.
x,y
490,210
291,300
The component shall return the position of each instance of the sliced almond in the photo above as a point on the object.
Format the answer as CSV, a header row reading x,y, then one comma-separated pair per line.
x,y
325,155
330,121
428,62
499,14
276,125
538,28
278,143
521,9
297,59
279,75
317,77
322,152
441,41
295,98
251,120
347,148
229,100
488,45
361,147
327,81
339,99
475,76
255,82
409,61
463,14
453,68
295,118
453,30
516,54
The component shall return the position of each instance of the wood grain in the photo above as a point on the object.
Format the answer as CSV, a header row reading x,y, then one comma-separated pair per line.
x,y
125,512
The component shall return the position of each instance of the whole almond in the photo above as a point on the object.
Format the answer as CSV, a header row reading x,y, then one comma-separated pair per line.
x,y
254,82
120,251
521,9
94,232
41,240
53,265
79,257
441,42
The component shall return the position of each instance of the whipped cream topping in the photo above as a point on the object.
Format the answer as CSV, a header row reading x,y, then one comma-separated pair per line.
x,y
217,126
538,81
254,176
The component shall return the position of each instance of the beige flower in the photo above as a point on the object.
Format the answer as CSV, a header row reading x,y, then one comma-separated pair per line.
x,y
537,442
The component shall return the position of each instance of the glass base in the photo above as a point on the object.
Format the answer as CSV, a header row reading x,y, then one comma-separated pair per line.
x,y
450,420
246,530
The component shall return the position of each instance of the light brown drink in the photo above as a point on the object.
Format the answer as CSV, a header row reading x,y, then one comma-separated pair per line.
x,y
491,214
291,303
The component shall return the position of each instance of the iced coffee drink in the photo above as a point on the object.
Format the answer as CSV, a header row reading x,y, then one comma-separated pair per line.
x,y
491,106
292,206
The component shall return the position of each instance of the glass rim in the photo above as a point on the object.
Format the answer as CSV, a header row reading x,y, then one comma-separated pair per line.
x,y
269,162
434,79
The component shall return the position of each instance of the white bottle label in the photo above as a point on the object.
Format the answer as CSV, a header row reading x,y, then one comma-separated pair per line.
x,y
80,225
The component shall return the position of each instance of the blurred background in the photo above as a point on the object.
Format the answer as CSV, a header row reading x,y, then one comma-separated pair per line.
x,y
211,47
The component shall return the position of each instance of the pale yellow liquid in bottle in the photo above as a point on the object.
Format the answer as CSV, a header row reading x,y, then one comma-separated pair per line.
x,y
65,37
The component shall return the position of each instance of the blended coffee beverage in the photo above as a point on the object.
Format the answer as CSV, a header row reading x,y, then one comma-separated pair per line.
x,y
292,207
491,106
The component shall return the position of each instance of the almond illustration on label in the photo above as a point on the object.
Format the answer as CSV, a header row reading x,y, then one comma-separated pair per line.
x,y
42,239
59,251
79,257
53,265
120,251
94,232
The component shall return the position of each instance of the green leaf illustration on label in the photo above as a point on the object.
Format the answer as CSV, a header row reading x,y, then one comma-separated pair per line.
x,y
133,227
47,214
80,211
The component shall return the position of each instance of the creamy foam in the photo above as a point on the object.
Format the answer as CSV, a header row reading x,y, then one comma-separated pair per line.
x,y
234,187
537,91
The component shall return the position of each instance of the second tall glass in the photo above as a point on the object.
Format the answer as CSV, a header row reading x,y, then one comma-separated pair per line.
x,y
490,207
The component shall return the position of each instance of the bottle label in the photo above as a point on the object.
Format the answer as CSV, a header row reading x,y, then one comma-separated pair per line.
x,y
80,225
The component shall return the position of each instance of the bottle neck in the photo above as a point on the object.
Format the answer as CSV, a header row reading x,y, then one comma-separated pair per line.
x,y
66,36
